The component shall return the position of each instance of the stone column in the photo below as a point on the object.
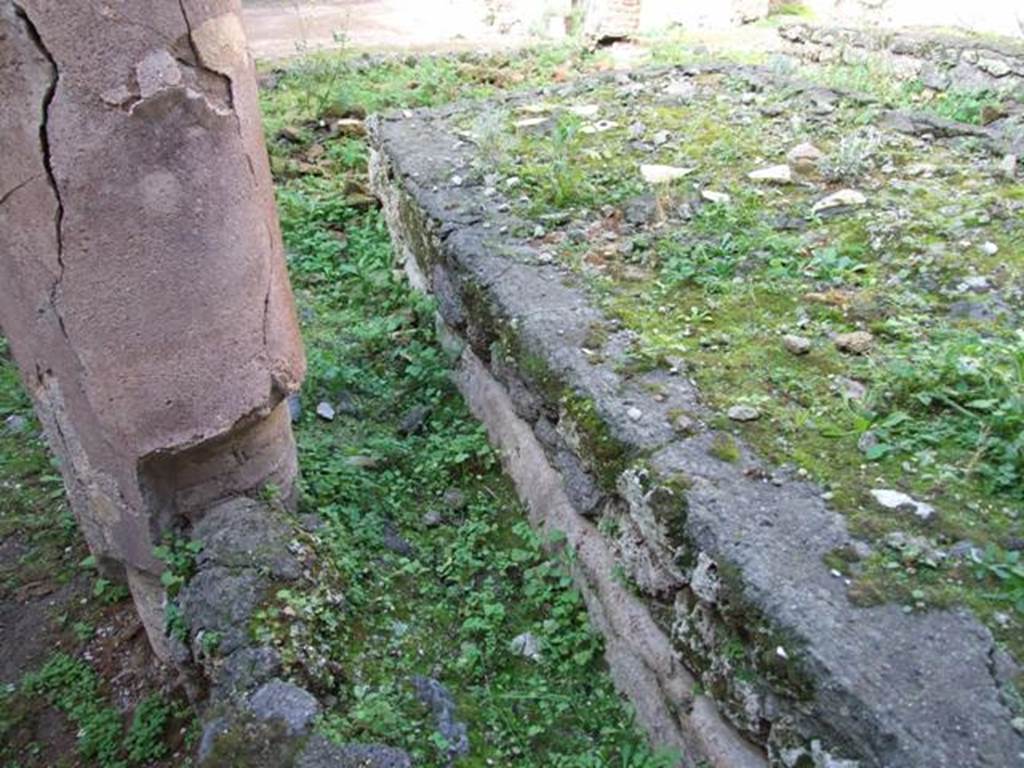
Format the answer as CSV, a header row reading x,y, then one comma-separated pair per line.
x,y
142,279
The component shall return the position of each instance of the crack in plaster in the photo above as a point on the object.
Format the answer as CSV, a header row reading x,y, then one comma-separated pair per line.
x,y
44,142
10,193
209,64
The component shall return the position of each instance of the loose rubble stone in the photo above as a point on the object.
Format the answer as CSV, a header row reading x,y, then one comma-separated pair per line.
x,y
585,110
350,126
294,407
743,413
325,410
346,404
804,158
663,174
441,703
395,542
797,345
681,90
855,390
601,126
962,549
920,547
844,198
855,343
413,421
526,645
454,499
715,197
15,424
867,441
641,210
973,283
534,125
363,462
684,424
984,310
776,174
897,500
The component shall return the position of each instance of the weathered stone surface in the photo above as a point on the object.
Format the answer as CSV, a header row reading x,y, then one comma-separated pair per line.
x,y
321,753
221,601
844,198
775,174
142,278
855,342
278,700
822,680
797,345
663,174
435,696
243,671
254,717
239,533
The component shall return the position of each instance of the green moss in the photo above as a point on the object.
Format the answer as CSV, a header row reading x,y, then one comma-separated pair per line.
x,y
608,457
597,336
530,365
783,671
841,560
670,508
724,448
254,744
487,327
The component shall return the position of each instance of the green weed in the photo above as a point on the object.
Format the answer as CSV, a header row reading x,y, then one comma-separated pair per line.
x,y
555,176
449,603
178,556
959,391
73,687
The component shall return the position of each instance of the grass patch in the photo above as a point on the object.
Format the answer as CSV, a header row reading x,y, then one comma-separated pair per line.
x,y
103,740
414,583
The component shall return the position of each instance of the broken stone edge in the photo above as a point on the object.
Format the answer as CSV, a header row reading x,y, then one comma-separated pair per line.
x,y
249,550
722,623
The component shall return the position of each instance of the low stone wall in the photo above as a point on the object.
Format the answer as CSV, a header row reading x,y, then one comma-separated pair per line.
x,y
253,715
941,61
706,577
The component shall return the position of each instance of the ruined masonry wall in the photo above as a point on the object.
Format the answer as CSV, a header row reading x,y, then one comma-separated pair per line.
x,y
940,61
722,622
